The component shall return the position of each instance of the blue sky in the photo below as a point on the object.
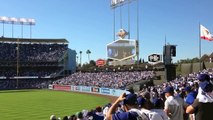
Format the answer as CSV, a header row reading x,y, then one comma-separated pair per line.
x,y
88,24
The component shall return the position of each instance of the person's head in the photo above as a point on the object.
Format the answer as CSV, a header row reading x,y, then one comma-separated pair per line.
x,y
206,86
141,102
79,115
130,101
203,77
98,109
169,91
65,118
188,89
53,117
158,103
146,95
73,117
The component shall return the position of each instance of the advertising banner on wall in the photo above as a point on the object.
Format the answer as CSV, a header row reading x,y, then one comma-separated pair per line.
x,y
50,87
62,87
105,91
85,89
95,89
77,88
100,62
116,92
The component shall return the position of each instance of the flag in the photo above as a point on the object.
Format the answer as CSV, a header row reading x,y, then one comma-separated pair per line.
x,y
205,34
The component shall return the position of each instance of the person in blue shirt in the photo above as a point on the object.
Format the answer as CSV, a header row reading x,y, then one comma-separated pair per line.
x,y
190,95
129,105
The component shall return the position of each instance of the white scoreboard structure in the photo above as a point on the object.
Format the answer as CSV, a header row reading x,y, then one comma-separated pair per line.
x,y
122,51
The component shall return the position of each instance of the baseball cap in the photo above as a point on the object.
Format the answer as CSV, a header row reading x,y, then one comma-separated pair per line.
x,y
130,99
141,101
203,77
206,86
169,90
188,89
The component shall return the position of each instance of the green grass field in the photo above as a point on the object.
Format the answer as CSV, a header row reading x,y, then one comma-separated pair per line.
x,y
40,104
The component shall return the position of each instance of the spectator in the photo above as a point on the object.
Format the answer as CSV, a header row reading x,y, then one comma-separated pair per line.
x,y
158,108
146,109
174,107
98,113
79,115
65,118
53,117
190,95
204,103
73,117
118,80
129,106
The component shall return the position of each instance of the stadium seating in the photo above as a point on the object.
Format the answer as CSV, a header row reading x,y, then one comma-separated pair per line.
x,y
106,79
32,52
157,97
33,62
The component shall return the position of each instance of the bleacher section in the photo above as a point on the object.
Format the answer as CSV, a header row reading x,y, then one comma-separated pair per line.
x,y
24,60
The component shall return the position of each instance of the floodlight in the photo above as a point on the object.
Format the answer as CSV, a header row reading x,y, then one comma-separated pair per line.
x,y
31,21
4,19
22,20
13,20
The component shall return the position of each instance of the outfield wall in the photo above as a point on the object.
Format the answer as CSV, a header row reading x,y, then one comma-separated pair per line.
x,y
88,89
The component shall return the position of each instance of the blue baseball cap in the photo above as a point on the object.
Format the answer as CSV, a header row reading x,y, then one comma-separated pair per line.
x,y
206,86
141,101
203,77
188,89
130,99
169,90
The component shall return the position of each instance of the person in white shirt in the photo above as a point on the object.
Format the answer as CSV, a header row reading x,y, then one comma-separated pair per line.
x,y
174,107
145,109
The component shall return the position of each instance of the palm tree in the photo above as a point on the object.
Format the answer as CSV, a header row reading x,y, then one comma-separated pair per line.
x,y
80,56
88,52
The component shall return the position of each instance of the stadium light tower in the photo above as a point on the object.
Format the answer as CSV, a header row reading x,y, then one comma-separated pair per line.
x,y
3,20
17,62
13,21
31,22
18,21
22,22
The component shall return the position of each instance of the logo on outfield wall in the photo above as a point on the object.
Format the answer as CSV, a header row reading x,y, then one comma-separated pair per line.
x,y
154,58
105,90
95,89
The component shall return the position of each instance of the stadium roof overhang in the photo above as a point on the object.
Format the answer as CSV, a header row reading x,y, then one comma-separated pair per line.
x,y
33,41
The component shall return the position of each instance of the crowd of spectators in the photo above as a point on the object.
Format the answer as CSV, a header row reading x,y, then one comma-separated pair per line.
x,y
32,57
185,98
106,79
32,52
36,72
24,84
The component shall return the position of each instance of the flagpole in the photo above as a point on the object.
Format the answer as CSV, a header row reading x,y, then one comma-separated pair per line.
x,y
199,47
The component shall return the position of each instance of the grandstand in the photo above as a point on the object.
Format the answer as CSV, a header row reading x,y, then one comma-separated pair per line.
x,y
33,62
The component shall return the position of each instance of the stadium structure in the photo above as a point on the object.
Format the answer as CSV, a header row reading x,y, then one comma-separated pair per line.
x,y
34,63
